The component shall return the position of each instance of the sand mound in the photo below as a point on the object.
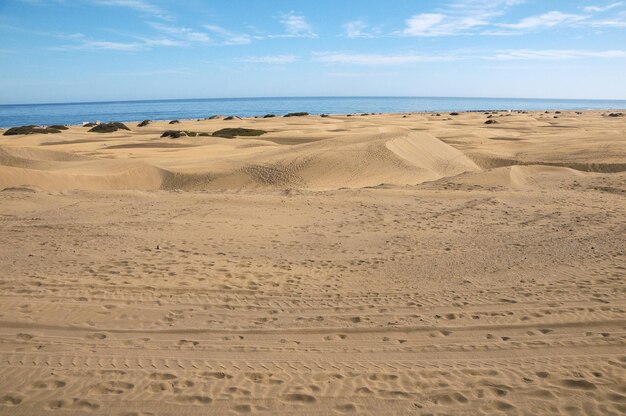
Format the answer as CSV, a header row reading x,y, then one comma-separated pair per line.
x,y
50,170
536,177
396,156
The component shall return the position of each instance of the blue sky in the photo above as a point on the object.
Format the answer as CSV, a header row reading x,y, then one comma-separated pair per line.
x,y
97,50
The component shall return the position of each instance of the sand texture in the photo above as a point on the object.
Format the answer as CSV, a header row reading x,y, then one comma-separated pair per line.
x,y
381,264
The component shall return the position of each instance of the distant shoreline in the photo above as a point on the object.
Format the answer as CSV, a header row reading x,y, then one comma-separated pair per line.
x,y
192,109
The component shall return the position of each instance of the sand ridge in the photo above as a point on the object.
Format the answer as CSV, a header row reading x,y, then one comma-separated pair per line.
x,y
388,268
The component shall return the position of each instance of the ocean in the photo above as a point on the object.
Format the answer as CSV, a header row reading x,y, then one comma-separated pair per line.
x,y
76,113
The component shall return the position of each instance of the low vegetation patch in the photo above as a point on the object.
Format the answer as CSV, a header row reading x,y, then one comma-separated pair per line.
x,y
175,134
230,133
616,115
269,116
491,121
299,114
232,118
174,122
58,127
144,123
108,127
13,131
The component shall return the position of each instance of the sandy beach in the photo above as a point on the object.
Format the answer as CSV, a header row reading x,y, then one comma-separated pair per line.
x,y
382,264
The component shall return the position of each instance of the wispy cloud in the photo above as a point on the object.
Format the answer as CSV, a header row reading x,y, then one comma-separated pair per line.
x,y
296,26
230,38
457,18
550,19
141,6
377,59
102,45
183,35
555,54
360,29
600,9
270,59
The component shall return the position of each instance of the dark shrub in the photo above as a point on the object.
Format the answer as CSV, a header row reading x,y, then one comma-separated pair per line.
x,y
204,134
230,133
214,117
58,127
30,130
299,114
491,121
616,115
454,114
269,115
108,127
174,122
144,123
324,115
174,134
232,118
89,125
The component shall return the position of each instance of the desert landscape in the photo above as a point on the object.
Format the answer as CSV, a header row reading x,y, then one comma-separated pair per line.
x,y
386,264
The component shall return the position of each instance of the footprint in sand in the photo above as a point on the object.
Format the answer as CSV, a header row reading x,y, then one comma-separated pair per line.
x,y
97,336
299,398
10,400
194,399
47,384
111,387
73,404
242,408
345,408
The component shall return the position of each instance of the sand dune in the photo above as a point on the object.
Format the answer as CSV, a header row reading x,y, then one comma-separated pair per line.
x,y
341,265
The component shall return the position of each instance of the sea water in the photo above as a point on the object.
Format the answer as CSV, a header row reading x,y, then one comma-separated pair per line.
x,y
76,113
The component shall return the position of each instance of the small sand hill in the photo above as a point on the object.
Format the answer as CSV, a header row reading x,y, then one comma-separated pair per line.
x,y
523,177
398,157
52,170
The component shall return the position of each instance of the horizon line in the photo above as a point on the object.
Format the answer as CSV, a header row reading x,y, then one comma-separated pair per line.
x,y
307,97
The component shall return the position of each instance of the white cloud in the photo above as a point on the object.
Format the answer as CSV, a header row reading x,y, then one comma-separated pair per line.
x,y
360,29
228,37
270,59
555,54
355,28
102,45
600,9
141,6
182,34
377,59
296,26
549,19
425,24
460,17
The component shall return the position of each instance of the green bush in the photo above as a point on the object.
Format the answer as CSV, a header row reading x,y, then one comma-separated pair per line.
x,y
174,134
299,114
109,127
231,133
13,131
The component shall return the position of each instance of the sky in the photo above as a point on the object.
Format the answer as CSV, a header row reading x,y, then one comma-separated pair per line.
x,y
106,50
